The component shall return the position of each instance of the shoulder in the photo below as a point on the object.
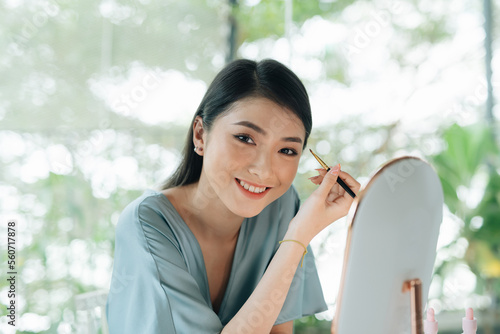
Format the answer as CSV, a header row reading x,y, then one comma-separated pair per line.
x,y
145,205
150,211
151,223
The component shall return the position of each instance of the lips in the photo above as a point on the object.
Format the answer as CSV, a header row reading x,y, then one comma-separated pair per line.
x,y
252,187
253,195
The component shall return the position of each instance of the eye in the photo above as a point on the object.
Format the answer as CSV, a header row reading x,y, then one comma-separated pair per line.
x,y
244,138
288,151
248,140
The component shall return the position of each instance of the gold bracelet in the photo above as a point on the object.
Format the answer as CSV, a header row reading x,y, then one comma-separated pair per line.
x,y
300,243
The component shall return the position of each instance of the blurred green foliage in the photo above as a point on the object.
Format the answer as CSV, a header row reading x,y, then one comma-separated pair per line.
x,y
471,161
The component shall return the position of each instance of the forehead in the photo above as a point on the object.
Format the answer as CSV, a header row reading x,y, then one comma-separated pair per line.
x,y
267,114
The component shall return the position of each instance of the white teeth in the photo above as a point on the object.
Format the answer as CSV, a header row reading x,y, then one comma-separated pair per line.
x,y
252,188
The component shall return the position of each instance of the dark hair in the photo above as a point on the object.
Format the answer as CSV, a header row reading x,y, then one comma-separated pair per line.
x,y
240,79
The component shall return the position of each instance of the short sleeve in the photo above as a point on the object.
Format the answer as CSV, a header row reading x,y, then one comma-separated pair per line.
x,y
305,296
151,289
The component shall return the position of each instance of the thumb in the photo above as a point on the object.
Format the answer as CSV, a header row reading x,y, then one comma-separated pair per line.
x,y
329,180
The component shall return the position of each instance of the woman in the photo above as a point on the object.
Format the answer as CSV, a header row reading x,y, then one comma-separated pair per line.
x,y
222,247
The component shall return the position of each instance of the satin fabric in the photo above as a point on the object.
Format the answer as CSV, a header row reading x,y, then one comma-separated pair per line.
x,y
159,282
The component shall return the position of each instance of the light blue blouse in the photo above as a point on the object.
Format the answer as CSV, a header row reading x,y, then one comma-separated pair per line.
x,y
159,282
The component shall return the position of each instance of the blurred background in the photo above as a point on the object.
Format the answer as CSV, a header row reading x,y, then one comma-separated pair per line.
x,y
96,98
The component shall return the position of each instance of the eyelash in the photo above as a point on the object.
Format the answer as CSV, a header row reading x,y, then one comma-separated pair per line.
x,y
248,137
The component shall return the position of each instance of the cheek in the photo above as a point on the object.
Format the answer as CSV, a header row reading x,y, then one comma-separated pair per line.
x,y
222,161
231,156
288,173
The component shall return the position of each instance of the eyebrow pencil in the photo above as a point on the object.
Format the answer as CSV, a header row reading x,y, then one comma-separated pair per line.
x,y
339,180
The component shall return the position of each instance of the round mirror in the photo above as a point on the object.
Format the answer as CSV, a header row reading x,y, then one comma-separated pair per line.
x,y
392,238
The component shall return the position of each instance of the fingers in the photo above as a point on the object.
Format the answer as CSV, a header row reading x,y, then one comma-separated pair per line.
x,y
346,177
321,171
316,179
329,180
350,181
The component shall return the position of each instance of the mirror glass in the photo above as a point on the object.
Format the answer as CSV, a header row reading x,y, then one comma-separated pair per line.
x,y
392,237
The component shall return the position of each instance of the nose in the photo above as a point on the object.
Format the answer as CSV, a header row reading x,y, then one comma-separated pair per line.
x,y
262,166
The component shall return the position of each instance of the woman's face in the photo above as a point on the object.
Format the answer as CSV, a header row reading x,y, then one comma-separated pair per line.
x,y
256,145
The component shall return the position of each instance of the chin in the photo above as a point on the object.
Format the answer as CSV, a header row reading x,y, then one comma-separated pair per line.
x,y
249,208
247,211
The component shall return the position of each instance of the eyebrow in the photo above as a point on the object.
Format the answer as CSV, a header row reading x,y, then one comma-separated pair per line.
x,y
258,129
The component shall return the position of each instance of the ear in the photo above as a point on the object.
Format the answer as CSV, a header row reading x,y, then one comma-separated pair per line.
x,y
198,135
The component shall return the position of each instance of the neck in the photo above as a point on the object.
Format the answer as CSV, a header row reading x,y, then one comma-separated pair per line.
x,y
208,217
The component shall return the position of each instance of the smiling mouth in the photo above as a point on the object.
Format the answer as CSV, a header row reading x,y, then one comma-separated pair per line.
x,y
250,188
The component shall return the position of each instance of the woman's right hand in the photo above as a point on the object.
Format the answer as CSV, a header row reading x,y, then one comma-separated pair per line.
x,y
328,203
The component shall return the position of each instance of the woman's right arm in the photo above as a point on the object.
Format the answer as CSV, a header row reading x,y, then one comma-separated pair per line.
x,y
326,204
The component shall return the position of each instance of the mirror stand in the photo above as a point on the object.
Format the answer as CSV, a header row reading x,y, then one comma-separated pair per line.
x,y
414,286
